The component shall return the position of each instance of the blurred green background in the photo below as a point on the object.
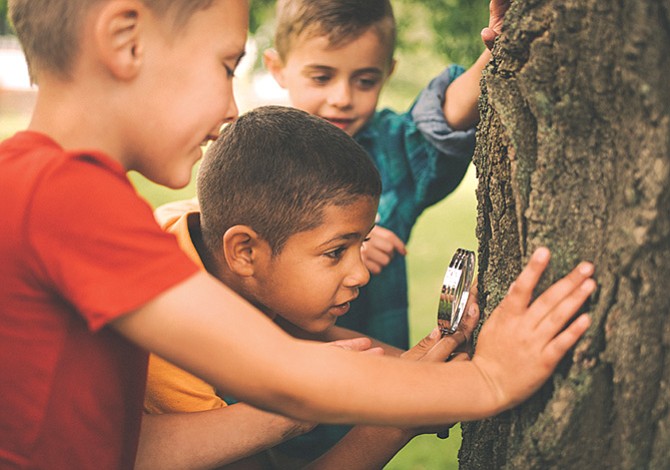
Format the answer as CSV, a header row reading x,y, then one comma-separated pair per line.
x,y
432,34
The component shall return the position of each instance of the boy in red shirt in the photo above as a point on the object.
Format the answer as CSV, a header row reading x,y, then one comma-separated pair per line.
x,y
89,282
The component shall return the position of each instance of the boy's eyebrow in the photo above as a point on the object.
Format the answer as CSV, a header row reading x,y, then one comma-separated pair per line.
x,y
344,236
326,68
348,236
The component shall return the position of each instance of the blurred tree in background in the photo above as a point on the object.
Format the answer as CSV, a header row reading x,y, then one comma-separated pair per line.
x,y
450,28
4,23
261,13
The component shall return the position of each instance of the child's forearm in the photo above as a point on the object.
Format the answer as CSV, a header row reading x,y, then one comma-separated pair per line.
x,y
301,379
209,439
363,448
518,348
337,333
462,96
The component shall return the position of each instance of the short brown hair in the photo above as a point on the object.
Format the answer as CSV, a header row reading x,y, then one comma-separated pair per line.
x,y
275,169
49,30
341,21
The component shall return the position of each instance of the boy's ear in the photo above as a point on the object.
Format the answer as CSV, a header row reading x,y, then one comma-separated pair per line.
x,y
242,249
274,65
117,36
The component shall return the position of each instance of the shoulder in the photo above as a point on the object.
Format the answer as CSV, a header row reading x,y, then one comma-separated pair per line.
x,y
168,214
385,125
31,159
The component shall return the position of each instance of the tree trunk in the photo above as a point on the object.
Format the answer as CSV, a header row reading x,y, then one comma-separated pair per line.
x,y
573,153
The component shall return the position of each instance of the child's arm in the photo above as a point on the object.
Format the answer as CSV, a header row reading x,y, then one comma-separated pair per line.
x,y
366,447
462,95
209,439
336,333
518,349
194,440
216,437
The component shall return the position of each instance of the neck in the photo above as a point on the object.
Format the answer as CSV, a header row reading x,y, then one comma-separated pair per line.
x,y
76,117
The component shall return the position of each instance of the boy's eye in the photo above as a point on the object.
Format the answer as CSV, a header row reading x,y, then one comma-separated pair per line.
x,y
229,71
336,253
367,83
320,79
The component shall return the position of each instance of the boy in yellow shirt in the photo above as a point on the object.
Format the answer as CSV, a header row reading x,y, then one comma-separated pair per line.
x,y
287,201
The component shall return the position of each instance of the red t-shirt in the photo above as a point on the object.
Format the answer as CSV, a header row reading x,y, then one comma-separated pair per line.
x,y
78,248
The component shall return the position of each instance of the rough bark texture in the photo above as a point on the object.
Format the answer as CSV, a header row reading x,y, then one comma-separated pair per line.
x,y
574,153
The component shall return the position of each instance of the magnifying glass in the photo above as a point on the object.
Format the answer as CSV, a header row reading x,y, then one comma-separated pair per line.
x,y
455,291
454,296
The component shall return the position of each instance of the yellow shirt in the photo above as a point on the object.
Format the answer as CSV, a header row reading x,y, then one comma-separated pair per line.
x,y
169,388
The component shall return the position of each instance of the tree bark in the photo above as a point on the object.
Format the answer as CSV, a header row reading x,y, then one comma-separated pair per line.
x,y
573,153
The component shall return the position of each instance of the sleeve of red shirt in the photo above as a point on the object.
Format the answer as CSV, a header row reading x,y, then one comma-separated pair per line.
x,y
96,242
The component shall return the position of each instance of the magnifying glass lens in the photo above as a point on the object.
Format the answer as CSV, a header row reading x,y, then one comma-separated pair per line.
x,y
455,291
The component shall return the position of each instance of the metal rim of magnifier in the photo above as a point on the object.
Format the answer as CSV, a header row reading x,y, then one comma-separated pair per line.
x,y
455,291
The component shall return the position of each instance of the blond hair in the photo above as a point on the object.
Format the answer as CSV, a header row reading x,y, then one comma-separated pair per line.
x,y
341,21
49,30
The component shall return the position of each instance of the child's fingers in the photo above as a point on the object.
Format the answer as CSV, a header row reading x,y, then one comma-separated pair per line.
x,y
560,290
553,322
474,291
354,344
420,349
488,37
445,347
557,348
521,290
398,244
460,356
376,351
470,320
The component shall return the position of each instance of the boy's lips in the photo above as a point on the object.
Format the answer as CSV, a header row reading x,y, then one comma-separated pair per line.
x,y
341,309
342,123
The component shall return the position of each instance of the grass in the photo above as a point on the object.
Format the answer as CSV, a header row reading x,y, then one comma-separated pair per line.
x,y
442,228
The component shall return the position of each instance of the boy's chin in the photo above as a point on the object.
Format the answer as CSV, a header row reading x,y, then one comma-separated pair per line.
x,y
176,183
318,327
179,178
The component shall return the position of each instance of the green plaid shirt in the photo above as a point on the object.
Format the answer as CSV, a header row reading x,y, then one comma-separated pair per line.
x,y
421,160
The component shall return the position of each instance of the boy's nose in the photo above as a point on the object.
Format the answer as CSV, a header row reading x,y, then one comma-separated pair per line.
x,y
340,95
229,116
232,112
359,275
